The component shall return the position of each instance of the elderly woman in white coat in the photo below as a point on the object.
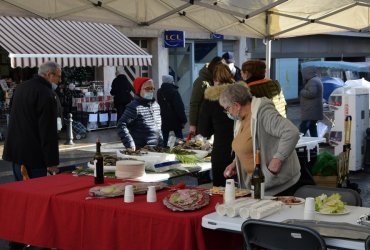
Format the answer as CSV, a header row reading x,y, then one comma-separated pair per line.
x,y
258,125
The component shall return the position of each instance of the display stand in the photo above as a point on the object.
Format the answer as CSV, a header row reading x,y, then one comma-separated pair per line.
x,y
353,101
95,112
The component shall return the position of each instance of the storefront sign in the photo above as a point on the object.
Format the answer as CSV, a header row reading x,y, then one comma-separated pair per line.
x,y
216,36
174,39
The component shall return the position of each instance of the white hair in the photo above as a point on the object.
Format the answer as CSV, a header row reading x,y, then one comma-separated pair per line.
x,y
120,70
51,66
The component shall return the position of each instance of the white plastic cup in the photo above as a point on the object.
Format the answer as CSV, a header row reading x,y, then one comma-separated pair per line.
x,y
309,209
229,195
151,195
129,194
309,204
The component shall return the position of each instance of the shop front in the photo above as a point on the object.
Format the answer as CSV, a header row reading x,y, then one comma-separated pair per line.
x,y
88,53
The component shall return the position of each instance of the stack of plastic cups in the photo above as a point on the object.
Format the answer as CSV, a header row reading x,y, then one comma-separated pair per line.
x,y
129,194
151,195
229,195
309,209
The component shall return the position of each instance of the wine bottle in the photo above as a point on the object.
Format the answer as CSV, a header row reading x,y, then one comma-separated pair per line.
x,y
258,179
99,168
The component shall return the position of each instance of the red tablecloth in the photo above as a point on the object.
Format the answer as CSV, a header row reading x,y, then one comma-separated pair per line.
x,y
52,212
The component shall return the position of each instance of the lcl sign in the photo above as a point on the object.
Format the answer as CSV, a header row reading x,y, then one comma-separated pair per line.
x,y
174,39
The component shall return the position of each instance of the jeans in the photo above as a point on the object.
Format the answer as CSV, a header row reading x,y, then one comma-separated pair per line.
x,y
32,172
165,133
308,125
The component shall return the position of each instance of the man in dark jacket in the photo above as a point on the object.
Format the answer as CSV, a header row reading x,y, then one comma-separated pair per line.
x,y
172,108
311,101
228,59
121,91
32,141
203,81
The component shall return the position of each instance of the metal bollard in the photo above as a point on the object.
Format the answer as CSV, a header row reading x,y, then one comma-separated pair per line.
x,y
69,132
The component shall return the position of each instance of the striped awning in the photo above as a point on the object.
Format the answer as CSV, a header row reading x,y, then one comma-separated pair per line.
x,y
32,41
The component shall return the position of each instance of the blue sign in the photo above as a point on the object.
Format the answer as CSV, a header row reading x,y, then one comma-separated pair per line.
x,y
216,36
174,39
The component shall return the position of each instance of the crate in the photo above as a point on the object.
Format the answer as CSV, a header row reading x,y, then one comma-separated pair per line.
x,y
326,181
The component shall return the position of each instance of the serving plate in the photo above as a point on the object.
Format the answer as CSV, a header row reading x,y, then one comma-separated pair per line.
x,y
105,168
239,192
345,211
118,189
289,200
186,200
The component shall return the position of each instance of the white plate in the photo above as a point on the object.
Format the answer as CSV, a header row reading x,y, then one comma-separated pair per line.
x,y
200,154
106,168
285,200
345,211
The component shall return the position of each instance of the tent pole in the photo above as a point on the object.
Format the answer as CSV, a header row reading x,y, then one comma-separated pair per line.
x,y
267,42
268,58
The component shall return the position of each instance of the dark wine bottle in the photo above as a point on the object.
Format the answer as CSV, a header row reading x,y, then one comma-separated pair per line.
x,y
99,168
258,179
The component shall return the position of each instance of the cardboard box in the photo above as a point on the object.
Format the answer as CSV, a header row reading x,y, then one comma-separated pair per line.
x,y
327,181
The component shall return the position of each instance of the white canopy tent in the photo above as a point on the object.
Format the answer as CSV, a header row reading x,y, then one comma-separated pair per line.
x,y
267,19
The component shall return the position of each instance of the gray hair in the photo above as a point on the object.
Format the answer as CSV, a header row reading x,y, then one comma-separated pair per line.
x,y
51,66
236,93
120,70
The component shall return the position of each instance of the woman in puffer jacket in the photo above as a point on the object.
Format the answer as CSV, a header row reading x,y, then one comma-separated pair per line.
x,y
140,124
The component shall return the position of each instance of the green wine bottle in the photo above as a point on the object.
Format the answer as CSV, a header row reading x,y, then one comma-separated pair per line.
x,y
258,179
99,168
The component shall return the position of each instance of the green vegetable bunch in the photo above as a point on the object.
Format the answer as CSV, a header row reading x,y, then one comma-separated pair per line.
x,y
187,159
330,205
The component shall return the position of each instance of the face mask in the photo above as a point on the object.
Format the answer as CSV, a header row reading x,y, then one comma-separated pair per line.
x,y
148,95
234,118
54,86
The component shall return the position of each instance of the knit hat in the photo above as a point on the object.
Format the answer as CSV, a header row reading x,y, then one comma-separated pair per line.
x,y
229,57
167,79
138,82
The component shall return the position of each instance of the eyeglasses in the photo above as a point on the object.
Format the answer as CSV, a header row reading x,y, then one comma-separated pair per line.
x,y
149,89
227,109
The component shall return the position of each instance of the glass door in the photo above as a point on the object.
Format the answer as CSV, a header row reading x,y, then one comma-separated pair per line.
x,y
180,67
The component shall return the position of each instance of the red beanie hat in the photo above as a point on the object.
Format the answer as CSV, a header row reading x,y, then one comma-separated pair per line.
x,y
138,82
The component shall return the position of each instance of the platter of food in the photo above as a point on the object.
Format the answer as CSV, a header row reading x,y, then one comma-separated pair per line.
x,y
289,200
330,205
118,189
342,212
239,192
186,200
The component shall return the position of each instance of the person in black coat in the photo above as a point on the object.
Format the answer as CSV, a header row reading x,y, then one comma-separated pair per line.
x,y
228,58
214,121
172,108
32,141
121,91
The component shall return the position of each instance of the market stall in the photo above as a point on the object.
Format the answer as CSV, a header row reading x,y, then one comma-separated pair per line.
x,y
29,42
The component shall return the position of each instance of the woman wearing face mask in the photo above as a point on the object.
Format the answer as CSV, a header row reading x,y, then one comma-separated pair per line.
x,y
214,121
140,124
259,125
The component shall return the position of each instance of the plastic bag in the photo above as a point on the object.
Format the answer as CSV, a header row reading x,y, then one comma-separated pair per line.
x,y
321,129
325,165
